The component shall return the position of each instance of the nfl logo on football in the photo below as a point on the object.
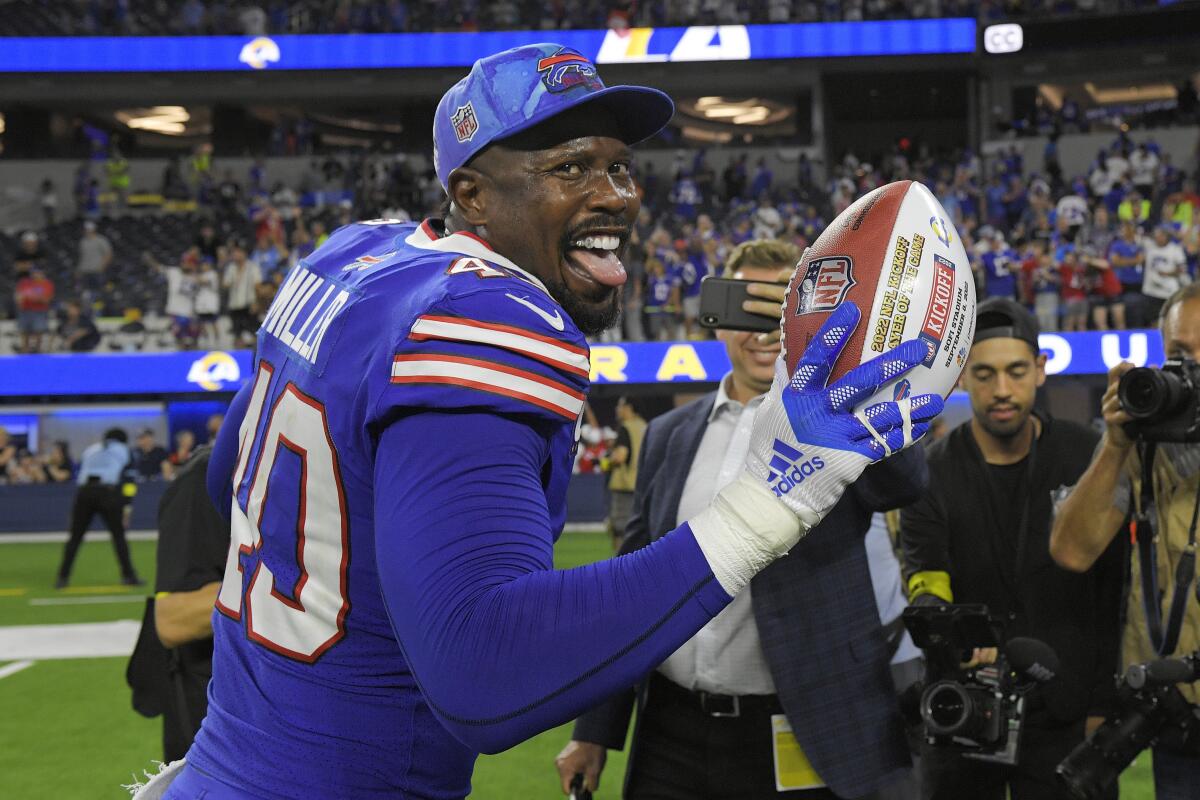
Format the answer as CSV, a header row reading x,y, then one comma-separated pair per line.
x,y
464,122
825,284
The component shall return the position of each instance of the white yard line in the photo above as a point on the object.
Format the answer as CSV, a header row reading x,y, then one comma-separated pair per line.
x,y
14,668
87,601
584,527
36,537
84,640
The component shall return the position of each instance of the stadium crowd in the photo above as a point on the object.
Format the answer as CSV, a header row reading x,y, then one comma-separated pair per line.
x,y
1099,250
266,17
21,464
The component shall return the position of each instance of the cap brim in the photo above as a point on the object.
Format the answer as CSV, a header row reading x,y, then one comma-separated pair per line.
x,y
639,111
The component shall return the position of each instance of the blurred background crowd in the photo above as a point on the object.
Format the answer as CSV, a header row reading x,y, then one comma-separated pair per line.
x,y
151,459
170,227
1098,249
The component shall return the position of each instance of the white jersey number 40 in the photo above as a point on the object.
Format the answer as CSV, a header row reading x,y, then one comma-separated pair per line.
x,y
310,617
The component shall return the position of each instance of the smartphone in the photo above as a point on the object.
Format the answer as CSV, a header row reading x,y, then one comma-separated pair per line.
x,y
721,307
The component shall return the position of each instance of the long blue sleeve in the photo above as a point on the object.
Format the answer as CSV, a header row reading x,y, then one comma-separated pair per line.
x,y
502,645
225,452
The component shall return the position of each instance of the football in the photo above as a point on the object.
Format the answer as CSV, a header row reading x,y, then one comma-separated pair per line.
x,y
894,254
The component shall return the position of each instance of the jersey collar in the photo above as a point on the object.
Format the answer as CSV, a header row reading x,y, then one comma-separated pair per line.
x,y
468,244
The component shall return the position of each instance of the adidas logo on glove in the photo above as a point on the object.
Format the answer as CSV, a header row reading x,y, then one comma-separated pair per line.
x,y
787,471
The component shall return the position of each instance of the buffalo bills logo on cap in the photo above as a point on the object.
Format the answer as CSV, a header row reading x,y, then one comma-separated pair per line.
x,y
567,69
464,122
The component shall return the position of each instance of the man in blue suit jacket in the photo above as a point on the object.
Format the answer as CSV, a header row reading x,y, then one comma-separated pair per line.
x,y
808,646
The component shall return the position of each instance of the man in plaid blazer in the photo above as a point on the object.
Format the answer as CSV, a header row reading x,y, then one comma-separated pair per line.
x,y
801,645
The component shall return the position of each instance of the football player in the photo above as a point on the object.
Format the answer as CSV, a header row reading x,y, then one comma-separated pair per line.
x,y
397,468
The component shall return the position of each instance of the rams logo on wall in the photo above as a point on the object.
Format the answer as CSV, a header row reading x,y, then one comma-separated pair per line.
x,y
259,52
212,371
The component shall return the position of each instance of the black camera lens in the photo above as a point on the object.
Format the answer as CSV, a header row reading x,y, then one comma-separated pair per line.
x,y
1147,393
946,708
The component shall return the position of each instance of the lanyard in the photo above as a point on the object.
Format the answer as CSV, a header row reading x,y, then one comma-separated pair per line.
x,y
1142,532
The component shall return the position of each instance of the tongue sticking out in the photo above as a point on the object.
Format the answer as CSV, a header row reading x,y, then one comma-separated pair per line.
x,y
602,265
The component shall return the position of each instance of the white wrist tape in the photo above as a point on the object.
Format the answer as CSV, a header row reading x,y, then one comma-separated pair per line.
x,y
745,529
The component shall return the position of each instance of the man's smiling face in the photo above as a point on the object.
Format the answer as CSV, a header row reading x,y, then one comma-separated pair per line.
x,y
559,201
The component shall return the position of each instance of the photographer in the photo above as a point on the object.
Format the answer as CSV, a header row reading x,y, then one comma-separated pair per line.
x,y
980,535
1109,492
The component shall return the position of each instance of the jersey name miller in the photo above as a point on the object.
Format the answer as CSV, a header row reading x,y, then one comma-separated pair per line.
x,y
302,312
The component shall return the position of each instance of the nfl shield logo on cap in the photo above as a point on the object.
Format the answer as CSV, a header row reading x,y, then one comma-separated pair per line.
x,y
464,123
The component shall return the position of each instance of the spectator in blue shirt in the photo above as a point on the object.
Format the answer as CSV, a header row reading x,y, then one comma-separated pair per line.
x,y
686,196
762,179
1127,259
661,300
105,485
999,266
693,269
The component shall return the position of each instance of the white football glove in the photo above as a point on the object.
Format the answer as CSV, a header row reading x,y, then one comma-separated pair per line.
x,y
807,445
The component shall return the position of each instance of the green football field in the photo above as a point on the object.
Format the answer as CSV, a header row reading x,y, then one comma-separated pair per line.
x,y
67,730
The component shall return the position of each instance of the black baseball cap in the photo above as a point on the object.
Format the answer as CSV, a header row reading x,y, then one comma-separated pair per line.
x,y
1004,318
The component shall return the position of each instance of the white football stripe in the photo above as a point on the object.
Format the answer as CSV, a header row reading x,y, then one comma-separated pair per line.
x,y
466,332
14,668
491,380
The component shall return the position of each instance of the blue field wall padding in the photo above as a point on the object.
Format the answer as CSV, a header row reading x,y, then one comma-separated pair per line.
x,y
47,507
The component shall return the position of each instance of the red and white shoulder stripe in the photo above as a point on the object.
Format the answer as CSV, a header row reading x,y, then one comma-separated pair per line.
x,y
491,377
554,352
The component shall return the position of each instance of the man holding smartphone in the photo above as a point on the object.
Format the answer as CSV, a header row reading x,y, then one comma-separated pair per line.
x,y
789,689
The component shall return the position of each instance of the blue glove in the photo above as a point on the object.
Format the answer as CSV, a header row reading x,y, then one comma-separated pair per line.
x,y
807,445
809,442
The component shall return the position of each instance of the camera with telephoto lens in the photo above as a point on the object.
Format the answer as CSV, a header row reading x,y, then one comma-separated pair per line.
x,y
1164,403
977,711
1150,711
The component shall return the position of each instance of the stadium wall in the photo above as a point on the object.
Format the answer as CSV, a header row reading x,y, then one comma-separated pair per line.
x,y
47,507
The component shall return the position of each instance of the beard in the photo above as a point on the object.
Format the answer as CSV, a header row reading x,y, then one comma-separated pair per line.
x,y
592,317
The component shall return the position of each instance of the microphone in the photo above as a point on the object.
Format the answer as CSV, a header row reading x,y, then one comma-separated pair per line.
x,y
1032,659
1161,673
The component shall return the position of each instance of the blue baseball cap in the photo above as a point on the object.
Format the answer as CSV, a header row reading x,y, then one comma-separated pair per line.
x,y
512,91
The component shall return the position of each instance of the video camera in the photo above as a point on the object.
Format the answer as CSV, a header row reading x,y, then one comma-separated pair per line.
x,y
1150,711
977,711
1164,403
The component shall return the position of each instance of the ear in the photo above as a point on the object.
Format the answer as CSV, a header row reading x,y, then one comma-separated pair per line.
x,y
465,188
1041,368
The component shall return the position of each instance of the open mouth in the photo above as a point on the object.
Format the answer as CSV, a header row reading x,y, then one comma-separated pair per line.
x,y
594,257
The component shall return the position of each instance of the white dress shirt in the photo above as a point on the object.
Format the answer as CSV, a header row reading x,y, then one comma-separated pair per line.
x,y
888,583
726,656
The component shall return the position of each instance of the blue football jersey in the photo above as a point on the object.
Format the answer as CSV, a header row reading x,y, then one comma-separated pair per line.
x,y
999,269
384,320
